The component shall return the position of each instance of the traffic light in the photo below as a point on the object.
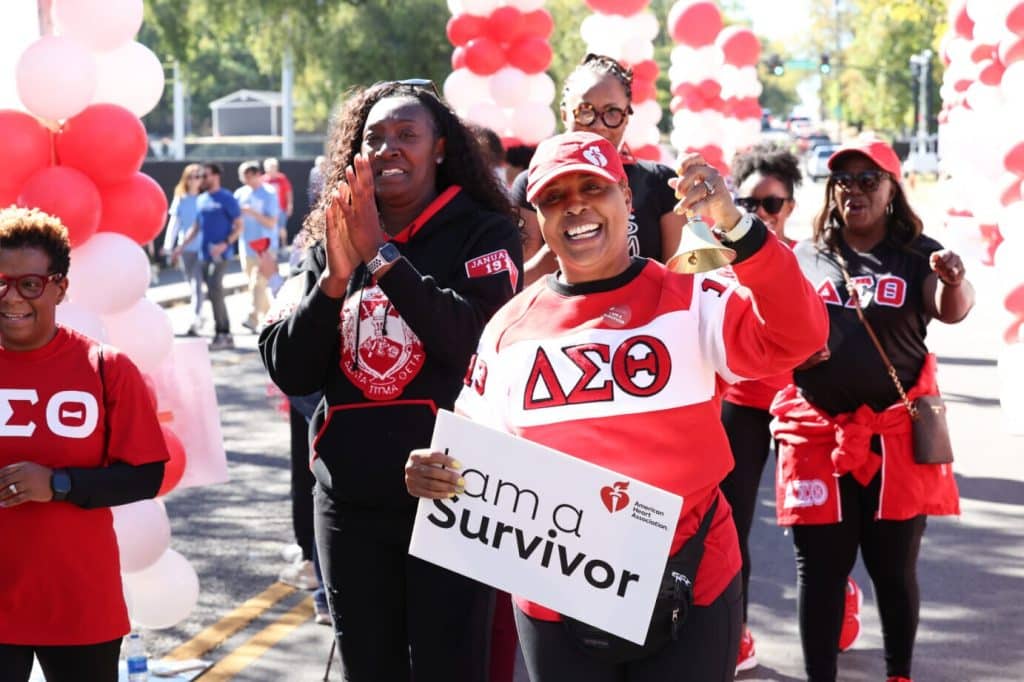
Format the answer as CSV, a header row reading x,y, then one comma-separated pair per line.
x,y
825,67
775,65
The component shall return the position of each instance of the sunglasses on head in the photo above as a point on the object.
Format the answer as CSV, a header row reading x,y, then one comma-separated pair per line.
x,y
868,181
422,84
771,205
29,286
612,117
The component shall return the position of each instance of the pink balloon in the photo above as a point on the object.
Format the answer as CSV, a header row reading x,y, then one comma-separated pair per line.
x,y
56,77
101,25
694,23
130,76
108,273
740,46
143,332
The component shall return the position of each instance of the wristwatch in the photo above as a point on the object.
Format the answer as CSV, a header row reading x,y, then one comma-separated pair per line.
x,y
386,255
60,484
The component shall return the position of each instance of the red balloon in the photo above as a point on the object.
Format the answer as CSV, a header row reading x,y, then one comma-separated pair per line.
x,y
1014,159
643,90
982,52
104,141
962,85
458,58
1012,334
624,8
1015,19
963,24
740,46
505,25
646,70
1011,50
462,28
538,24
174,468
68,194
24,150
136,208
648,152
531,55
991,72
1014,301
709,89
696,24
509,142
1009,192
484,56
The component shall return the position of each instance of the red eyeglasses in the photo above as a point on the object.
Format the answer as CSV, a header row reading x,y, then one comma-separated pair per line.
x,y
29,286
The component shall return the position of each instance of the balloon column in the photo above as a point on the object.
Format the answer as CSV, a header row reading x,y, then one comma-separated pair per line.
x,y
982,141
498,79
625,31
714,83
77,154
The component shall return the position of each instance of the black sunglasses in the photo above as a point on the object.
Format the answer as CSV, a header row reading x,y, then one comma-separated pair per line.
x,y
612,117
772,205
423,84
868,181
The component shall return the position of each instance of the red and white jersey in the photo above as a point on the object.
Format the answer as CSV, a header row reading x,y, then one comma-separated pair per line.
x,y
60,577
625,373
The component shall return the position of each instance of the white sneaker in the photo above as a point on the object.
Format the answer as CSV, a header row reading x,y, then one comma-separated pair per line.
x,y
300,574
291,553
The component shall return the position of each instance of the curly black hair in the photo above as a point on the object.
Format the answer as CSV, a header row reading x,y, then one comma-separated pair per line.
x,y
22,228
601,65
464,162
769,160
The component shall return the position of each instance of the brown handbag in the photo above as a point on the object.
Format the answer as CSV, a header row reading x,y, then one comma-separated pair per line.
x,y
931,443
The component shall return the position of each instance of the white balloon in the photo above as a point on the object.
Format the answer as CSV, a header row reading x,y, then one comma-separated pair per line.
x,y
481,8
533,122
646,113
634,51
1010,369
143,332
683,55
100,25
463,88
130,76
643,26
983,97
487,114
163,594
1011,223
542,88
455,7
509,86
1012,85
595,29
525,5
82,320
143,533
56,77
108,273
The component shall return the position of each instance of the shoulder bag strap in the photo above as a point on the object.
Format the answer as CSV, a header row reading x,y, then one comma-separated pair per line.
x,y
851,289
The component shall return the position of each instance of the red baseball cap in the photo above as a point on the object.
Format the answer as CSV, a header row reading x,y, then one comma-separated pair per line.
x,y
577,152
877,150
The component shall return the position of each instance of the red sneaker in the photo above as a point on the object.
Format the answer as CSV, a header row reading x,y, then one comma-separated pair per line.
x,y
746,659
898,679
851,616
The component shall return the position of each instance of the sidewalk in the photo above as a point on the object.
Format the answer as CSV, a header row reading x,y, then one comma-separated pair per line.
x,y
171,289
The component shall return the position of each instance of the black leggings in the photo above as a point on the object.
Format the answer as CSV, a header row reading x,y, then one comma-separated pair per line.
x,y
705,651
825,554
302,483
84,663
750,439
389,607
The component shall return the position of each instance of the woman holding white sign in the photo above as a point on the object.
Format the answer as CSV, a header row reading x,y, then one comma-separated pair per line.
x,y
617,360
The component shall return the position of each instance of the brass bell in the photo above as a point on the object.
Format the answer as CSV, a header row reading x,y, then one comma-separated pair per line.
x,y
699,250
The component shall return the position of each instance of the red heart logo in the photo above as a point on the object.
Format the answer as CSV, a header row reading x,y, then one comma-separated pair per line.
x,y
614,496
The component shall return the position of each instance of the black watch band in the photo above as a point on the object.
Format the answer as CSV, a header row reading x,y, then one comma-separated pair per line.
x,y
60,484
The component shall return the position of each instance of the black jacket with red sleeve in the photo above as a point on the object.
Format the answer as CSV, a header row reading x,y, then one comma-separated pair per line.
x,y
393,351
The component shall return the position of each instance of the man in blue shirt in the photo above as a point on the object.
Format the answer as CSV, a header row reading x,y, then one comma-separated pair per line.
x,y
218,225
260,210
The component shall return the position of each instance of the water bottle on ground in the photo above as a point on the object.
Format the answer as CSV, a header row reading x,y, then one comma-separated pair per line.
x,y
138,666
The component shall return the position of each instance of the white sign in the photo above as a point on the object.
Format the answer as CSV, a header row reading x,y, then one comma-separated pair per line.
x,y
572,536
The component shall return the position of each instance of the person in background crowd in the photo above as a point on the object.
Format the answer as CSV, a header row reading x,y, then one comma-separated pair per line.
x,y
843,428
272,175
315,183
219,224
182,214
259,208
517,160
415,247
597,97
61,599
494,153
671,438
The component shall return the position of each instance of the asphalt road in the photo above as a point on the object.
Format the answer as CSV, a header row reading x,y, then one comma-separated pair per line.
x,y
971,567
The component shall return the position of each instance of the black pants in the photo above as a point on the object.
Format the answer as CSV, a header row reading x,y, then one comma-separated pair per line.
x,y
302,482
705,651
85,663
394,613
825,554
750,439
213,275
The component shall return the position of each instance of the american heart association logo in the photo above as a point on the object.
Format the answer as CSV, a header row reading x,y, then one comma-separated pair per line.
x,y
614,496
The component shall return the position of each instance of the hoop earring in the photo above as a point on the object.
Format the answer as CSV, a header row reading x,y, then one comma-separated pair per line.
x,y
439,160
888,208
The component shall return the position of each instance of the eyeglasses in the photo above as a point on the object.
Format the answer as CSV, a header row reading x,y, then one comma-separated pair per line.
x,y
423,84
771,205
612,117
868,181
29,286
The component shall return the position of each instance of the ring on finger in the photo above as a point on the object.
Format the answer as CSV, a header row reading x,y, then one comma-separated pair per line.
x,y
13,488
709,187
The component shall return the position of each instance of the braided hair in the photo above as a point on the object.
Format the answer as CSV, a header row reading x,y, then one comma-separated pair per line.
x,y
602,65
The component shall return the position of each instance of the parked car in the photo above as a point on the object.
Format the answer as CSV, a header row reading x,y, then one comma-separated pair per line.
x,y
817,161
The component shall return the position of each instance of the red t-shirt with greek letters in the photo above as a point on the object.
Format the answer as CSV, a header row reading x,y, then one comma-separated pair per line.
x,y
60,580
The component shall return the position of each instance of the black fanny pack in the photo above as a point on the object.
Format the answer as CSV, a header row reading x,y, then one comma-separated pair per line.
x,y
674,600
